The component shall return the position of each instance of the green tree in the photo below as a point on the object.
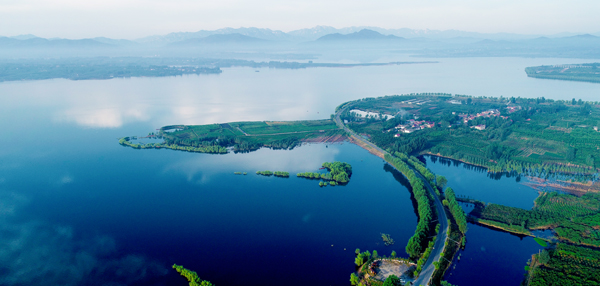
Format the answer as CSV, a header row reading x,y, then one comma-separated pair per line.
x,y
357,251
354,279
590,160
392,280
544,257
375,255
571,153
393,254
191,276
359,260
441,181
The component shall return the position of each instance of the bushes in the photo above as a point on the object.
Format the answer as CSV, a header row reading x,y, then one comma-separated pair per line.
x,y
191,276
339,171
276,173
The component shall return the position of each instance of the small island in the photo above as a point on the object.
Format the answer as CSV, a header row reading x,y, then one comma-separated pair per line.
x,y
339,173
276,174
191,276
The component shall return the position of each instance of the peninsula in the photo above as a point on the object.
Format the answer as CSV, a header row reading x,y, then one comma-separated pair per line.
x,y
576,72
552,140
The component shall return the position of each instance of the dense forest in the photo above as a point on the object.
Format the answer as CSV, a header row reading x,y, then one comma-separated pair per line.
x,y
565,265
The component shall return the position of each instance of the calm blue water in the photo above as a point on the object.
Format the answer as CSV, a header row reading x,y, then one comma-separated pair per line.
x,y
475,182
113,204
78,209
492,257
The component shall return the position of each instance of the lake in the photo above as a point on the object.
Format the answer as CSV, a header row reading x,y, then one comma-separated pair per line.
x,y
77,208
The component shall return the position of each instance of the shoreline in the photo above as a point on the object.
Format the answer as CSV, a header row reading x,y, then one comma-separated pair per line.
x,y
574,188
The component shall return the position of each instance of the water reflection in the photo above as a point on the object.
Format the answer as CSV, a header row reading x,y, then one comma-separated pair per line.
x,y
35,250
199,167
491,257
240,94
476,183
98,117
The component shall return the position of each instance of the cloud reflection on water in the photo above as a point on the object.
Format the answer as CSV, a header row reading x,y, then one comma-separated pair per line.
x,y
87,116
36,252
240,94
305,158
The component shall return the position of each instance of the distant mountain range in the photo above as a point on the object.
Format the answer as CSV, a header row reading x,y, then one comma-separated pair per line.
x,y
27,42
362,35
432,43
311,34
217,39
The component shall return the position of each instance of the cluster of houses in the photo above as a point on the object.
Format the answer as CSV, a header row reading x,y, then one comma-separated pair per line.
x,y
512,109
414,125
488,113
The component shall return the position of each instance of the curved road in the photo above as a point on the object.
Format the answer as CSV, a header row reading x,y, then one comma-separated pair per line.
x,y
438,247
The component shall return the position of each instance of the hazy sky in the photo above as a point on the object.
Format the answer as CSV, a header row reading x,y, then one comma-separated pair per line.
x,y
138,18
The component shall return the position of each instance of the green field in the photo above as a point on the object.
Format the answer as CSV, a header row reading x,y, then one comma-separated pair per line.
x,y
240,136
276,127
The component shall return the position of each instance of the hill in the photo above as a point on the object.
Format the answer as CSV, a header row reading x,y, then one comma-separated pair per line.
x,y
362,35
234,38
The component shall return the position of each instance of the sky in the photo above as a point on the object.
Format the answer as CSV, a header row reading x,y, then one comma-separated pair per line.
x,y
131,19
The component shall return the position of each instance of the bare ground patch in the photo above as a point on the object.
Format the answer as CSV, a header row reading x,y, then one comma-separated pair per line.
x,y
326,139
386,268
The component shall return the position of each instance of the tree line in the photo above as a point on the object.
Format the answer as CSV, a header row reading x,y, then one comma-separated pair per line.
x,y
419,241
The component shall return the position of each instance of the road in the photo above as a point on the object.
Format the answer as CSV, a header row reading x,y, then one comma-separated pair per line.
x,y
438,247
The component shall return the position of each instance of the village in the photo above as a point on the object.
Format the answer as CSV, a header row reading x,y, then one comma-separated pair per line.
x,y
414,125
